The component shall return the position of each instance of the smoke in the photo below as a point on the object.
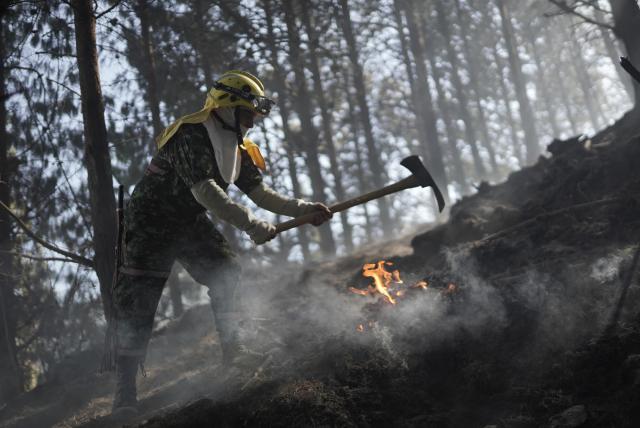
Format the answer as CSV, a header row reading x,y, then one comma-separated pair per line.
x,y
537,313
606,269
307,320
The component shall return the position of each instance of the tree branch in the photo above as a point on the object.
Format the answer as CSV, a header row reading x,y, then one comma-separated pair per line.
x,y
109,9
74,257
562,4
40,258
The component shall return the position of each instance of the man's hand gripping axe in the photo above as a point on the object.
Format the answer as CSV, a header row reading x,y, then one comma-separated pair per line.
x,y
419,177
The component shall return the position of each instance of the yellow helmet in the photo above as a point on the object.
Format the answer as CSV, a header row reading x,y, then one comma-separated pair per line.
x,y
239,88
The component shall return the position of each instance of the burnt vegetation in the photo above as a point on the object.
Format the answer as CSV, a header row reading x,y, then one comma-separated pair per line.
x,y
517,307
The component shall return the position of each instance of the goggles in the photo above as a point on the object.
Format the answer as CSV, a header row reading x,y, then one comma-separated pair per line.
x,y
261,104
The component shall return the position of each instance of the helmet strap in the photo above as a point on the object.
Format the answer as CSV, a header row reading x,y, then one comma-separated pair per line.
x,y
228,127
239,136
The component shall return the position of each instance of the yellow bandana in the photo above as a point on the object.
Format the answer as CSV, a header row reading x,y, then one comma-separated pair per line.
x,y
199,117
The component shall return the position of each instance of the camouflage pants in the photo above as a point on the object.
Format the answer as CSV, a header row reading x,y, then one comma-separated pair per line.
x,y
149,253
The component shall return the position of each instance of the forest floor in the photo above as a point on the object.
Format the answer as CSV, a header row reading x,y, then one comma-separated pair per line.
x,y
501,320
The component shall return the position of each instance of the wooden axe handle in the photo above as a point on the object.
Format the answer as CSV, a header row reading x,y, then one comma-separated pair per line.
x,y
406,183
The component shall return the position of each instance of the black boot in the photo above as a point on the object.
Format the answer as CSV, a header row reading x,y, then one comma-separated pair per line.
x,y
125,402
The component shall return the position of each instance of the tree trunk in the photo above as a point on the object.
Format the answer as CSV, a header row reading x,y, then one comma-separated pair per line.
x,y
506,99
149,69
10,371
626,21
360,171
504,90
586,85
309,132
474,82
515,66
201,49
416,103
614,54
562,87
543,83
327,132
151,95
96,155
458,170
373,151
450,128
283,107
427,117
460,92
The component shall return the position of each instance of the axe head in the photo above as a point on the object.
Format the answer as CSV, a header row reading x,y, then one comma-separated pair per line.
x,y
415,165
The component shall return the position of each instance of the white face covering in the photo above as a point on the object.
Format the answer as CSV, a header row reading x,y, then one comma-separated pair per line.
x,y
225,143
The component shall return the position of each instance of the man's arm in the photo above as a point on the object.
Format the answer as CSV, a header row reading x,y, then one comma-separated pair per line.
x,y
267,198
250,182
213,198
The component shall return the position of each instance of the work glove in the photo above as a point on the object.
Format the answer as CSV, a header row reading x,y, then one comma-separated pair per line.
x,y
323,212
261,231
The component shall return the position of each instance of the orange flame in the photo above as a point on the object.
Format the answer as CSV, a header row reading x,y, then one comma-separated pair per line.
x,y
382,278
382,282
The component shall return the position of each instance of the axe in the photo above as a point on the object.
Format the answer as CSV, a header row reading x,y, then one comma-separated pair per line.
x,y
419,177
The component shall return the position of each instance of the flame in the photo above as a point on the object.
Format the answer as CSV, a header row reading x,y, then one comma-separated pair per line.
x,y
384,282
382,278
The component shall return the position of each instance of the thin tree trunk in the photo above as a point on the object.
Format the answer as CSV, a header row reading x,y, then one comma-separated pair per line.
x,y
373,151
614,54
626,21
586,85
326,123
149,69
474,82
397,14
504,90
310,134
427,118
10,370
199,7
450,129
506,99
96,155
458,170
560,81
416,103
151,92
283,107
515,66
360,172
460,92
543,83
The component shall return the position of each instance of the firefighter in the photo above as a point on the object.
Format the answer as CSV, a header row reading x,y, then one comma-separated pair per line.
x,y
198,157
